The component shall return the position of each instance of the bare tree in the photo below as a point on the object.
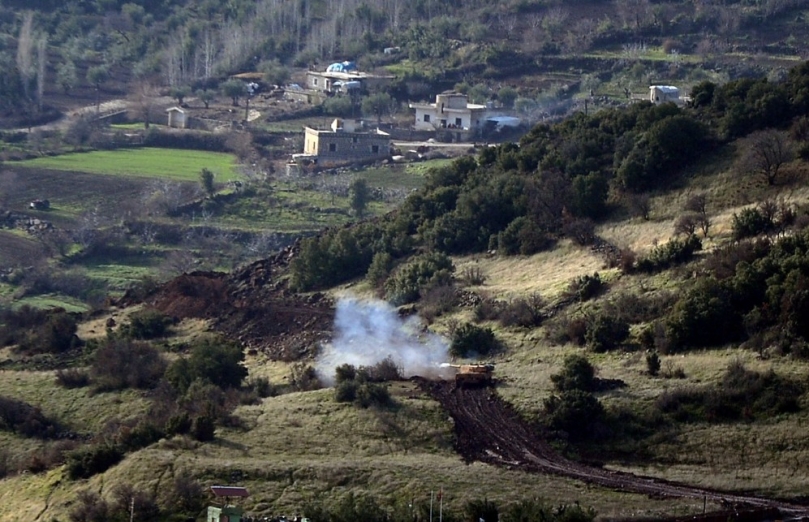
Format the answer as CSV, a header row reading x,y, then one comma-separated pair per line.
x,y
143,101
25,51
687,223
766,152
178,262
698,205
42,63
641,205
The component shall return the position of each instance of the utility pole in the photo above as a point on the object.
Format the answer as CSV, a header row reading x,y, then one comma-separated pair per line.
x,y
431,506
132,509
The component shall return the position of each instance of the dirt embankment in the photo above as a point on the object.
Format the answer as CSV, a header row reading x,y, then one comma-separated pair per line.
x,y
250,306
488,430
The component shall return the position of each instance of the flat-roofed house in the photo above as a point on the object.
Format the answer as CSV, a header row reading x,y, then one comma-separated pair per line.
x,y
450,111
345,142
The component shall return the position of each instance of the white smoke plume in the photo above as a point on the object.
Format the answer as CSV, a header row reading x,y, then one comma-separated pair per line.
x,y
368,331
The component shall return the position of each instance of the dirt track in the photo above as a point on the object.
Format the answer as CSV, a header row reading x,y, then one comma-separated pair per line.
x,y
488,430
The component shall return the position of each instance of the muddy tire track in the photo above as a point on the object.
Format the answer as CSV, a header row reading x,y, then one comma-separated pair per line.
x,y
488,430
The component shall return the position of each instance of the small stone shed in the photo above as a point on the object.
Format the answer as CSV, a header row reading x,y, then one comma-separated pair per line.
x,y
178,118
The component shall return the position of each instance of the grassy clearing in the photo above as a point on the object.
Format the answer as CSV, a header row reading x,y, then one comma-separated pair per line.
x,y
423,167
547,273
52,301
393,177
147,162
77,408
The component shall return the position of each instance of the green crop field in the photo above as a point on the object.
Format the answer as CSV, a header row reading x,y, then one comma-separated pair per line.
x,y
173,164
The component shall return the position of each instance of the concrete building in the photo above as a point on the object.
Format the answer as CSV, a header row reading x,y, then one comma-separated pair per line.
x,y
450,111
178,118
663,94
344,142
344,77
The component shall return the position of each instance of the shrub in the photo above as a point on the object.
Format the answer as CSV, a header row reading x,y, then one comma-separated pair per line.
x,y
606,333
346,391
577,374
122,363
20,417
750,222
216,362
16,322
472,339
146,324
261,386
586,287
178,424
89,508
381,265
703,317
653,363
574,412
384,370
72,378
372,394
437,301
186,495
203,427
582,231
304,378
345,372
143,434
421,272
674,252
522,236
88,461
525,312
741,395
128,500
362,392
57,334
473,276
488,309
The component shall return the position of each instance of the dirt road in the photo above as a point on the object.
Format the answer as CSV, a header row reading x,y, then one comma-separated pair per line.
x,y
488,430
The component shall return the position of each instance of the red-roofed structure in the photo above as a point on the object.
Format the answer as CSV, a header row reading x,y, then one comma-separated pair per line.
x,y
229,491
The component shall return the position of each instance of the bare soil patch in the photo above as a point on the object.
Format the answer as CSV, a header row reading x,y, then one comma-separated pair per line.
x,y
252,307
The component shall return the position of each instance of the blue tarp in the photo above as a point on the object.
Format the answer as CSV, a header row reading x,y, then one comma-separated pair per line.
x,y
342,67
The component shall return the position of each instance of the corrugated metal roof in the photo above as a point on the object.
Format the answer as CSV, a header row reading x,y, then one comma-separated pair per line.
x,y
229,491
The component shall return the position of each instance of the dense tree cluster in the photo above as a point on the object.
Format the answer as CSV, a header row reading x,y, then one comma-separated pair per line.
x,y
765,294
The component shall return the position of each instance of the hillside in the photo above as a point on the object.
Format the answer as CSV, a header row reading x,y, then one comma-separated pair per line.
x,y
186,312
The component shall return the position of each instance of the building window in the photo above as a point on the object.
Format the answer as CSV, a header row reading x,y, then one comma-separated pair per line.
x,y
375,149
458,122
314,81
427,118
332,147
354,139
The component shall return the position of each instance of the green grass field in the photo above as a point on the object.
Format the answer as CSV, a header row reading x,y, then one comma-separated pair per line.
x,y
148,162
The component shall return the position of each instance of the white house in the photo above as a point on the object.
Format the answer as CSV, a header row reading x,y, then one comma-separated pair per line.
x,y
450,111
663,94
